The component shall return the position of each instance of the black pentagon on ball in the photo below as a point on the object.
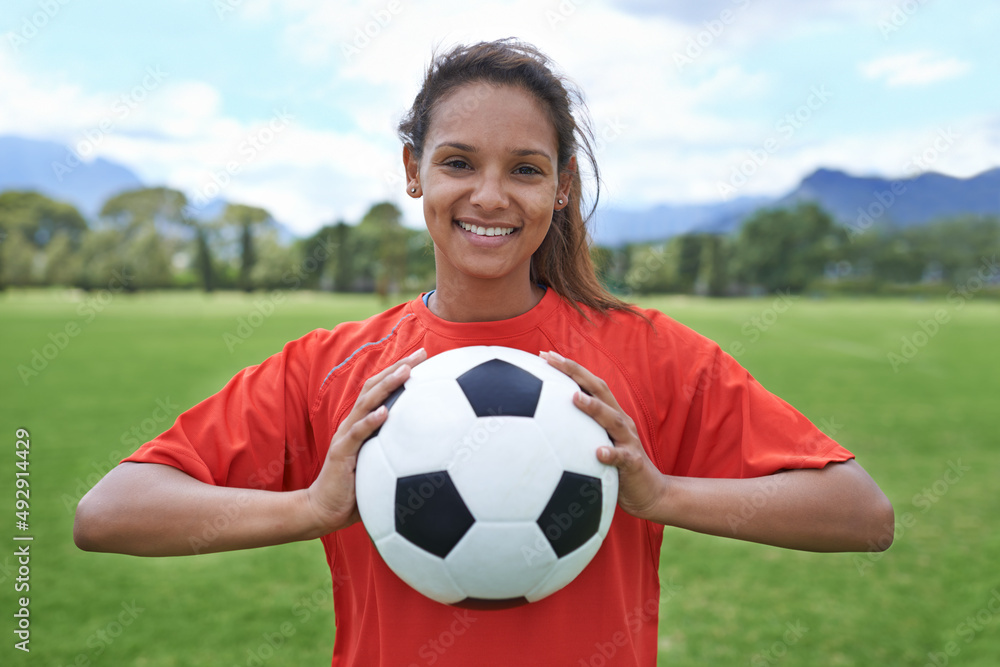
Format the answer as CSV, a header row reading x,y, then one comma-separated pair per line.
x,y
573,513
430,512
496,387
482,604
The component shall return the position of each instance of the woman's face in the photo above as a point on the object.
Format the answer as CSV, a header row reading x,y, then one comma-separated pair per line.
x,y
489,180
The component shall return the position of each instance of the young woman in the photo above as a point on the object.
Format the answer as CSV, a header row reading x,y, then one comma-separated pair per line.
x,y
492,148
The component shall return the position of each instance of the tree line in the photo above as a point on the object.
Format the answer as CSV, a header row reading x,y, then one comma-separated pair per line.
x,y
802,249
156,240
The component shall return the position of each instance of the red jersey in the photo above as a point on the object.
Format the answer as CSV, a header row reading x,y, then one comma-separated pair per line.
x,y
697,411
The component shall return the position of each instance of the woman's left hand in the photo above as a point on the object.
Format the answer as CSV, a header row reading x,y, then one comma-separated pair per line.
x,y
640,485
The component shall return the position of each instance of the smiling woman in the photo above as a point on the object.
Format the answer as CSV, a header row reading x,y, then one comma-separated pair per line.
x,y
485,111
490,183
492,147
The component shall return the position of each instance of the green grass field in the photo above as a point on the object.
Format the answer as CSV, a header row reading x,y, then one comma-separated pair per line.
x,y
125,366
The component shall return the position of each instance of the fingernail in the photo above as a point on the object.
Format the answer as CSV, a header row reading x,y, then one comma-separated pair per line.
x,y
582,398
556,356
399,371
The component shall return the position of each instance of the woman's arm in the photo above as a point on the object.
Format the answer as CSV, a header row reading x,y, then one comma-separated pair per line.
x,y
148,509
836,508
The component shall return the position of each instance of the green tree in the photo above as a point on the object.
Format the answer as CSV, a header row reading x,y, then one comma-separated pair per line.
x,y
102,259
651,269
322,256
344,273
713,276
153,228
420,267
248,220
156,228
687,249
203,258
38,218
779,249
148,262
383,239
274,262
62,261
17,261
134,211
28,222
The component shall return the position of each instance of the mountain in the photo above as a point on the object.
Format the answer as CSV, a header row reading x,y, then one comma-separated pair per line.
x,y
904,202
615,227
53,170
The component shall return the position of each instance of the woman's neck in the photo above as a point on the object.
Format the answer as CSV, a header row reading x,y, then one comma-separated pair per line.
x,y
476,300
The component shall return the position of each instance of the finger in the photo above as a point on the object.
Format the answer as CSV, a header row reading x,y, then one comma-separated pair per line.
x,y
610,456
376,395
349,442
618,425
377,388
626,458
587,381
412,360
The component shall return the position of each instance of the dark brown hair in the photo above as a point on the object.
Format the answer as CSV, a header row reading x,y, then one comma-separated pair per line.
x,y
562,262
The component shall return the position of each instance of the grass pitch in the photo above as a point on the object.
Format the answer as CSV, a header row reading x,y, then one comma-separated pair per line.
x,y
93,376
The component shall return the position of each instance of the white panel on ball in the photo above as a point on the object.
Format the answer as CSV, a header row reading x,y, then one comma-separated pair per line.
x,y
609,494
567,569
574,440
428,443
531,471
375,481
450,364
489,563
421,570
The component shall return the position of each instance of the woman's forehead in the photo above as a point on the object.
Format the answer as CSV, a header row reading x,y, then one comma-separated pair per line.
x,y
480,112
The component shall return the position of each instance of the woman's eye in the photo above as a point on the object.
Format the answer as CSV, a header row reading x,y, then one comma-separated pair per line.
x,y
526,170
457,164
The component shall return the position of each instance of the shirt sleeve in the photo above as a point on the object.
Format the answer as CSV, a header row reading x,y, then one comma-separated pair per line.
x,y
254,433
723,423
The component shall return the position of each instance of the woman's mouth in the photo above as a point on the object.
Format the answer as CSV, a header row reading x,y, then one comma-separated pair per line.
x,y
485,231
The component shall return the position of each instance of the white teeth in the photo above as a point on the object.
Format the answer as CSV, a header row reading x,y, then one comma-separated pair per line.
x,y
486,231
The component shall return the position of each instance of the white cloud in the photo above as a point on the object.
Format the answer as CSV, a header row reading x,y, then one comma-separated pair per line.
x,y
30,108
963,149
178,135
914,69
782,10
665,134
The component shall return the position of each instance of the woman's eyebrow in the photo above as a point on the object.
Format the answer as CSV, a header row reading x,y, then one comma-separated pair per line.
x,y
529,152
457,146
519,152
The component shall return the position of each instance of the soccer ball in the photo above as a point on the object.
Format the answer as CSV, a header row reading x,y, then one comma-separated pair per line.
x,y
482,487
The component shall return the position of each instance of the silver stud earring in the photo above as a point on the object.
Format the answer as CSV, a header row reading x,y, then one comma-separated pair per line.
x,y
560,201
412,190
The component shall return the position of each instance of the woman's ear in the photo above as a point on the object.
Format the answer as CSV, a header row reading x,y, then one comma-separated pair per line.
x,y
565,187
412,167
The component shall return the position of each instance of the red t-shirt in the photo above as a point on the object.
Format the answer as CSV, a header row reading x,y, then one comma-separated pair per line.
x,y
697,411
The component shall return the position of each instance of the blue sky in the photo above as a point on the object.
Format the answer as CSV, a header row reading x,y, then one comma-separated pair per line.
x,y
694,101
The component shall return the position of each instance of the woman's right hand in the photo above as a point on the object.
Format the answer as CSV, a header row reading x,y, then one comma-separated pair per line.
x,y
331,498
